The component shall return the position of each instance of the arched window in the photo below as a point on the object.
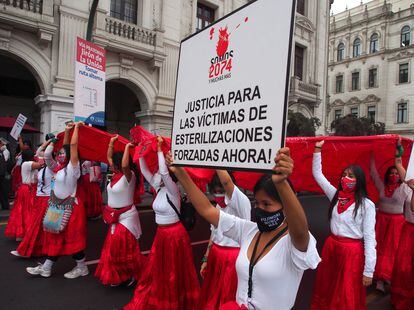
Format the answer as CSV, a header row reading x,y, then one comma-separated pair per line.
x,y
373,45
356,51
405,36
341,52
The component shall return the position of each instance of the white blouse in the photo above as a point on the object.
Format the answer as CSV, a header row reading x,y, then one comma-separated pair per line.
x,y
277,275
29,176
85,167
122,193
345,224
164,213
408,214
393,204
238,205
44,184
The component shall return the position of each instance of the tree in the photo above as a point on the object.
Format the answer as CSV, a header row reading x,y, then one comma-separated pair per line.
x,y
301,126
350,125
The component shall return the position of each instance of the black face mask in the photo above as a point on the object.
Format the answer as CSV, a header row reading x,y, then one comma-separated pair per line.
x,y
268,221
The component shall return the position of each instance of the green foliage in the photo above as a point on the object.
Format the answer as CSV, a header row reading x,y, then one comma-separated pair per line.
x,y
301,126
350,125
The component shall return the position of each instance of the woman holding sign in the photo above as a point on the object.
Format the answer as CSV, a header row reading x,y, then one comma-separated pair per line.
x,y
64,223
121,259
390,218
348,256
272,255
402,280
170,280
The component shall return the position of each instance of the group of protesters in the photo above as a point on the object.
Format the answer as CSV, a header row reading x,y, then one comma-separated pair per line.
x,y
247,265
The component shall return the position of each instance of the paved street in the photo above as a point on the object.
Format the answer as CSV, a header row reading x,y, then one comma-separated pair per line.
x,y
18,290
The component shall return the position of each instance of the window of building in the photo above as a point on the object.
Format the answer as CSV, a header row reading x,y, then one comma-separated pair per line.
x,y
373,45
356,50
402,113
300,7
372,78
403,74
355,81
405,36
299,61
125,10
338,113
355,111
339,84
341,52
205,16
371,111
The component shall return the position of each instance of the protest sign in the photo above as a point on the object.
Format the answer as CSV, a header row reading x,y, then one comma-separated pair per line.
x,y
232,89
18,126
410,169
89,101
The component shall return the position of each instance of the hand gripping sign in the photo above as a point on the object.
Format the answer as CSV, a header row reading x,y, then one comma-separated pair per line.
x,y
232,89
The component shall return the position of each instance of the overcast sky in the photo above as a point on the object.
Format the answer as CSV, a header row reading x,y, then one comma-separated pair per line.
x,y
340,5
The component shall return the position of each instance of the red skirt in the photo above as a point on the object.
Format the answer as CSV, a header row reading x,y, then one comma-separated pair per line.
x,y
387,232
170,280
16,178
72,240
339,277
121,257
91,196
402,283
220,281
32,243
21,214
233,306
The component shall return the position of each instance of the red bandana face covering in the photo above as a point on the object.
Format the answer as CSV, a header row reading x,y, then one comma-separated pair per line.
x,y
346,197
392,185
219,199
115,178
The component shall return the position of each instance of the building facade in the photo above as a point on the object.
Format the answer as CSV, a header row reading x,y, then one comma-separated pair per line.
x,y
141,38
370,64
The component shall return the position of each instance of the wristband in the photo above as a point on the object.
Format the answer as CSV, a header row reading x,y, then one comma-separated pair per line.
x,y
204,259
400,150
318,147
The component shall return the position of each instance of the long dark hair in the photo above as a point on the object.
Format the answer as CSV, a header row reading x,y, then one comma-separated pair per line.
x,y
360,189
215,181
387,174
266,184
66,148
117,160
27,155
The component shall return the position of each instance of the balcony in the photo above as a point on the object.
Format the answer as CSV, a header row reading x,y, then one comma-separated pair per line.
x,y
120,36
304,92
30,15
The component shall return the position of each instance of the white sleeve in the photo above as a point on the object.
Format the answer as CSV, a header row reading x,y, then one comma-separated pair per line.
x,y
38,151
369,238
240,203
145,171
6,154
26,169
232,227
74,171
322,181
171,186
305,260
50,162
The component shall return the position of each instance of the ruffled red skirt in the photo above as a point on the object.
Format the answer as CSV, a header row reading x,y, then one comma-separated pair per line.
x,y
72,240
21,214
233,306
32,243
220,281
387,232
339,277
402,283
91,196
16,178
170,280
121,257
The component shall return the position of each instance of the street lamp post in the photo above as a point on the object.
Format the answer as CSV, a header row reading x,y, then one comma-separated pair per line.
x,y
91,20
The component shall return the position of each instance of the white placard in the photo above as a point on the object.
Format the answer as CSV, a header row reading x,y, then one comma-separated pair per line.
x,y
89,101
18,126
232,89
410,169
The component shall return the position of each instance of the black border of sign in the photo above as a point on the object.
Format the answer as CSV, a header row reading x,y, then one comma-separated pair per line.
x,y
292,23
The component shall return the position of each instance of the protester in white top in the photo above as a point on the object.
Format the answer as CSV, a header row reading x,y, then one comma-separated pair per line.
x,y
275,254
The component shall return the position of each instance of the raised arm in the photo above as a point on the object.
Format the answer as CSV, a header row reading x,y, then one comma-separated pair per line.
x,y
21,144
50,162
226,182
196,196
163,169
322,181
145,171
110,151
74,156
126,169
295,216
379,184
398,160
68,128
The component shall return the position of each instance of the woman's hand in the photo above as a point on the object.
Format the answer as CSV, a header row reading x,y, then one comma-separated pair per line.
x,y
170,161
129,145
114,138
69,126
160,140
79,124
318,146
203,269
410,183
366,281
283,165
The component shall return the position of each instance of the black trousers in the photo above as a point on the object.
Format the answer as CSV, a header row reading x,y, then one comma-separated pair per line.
x,y
77,256
4,193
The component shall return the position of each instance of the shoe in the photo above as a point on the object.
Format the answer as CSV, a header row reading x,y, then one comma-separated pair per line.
x,y
15,253
77,272
115,285
39,270
19,239
131,282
